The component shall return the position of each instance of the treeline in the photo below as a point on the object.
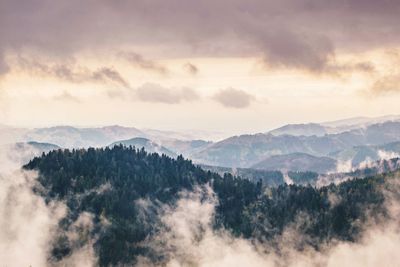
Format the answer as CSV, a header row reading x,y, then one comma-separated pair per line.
x,y
108,182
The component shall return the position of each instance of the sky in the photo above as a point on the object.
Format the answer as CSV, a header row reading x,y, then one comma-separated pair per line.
x,y
233,66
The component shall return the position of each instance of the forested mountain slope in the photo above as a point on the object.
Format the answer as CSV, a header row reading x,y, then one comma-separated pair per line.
x,y
125,191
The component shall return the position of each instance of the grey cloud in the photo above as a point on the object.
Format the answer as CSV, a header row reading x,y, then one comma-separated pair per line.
x,y
349,67
73,73
151,92
301,34
139,61
106,73
3,65
364,66
191,68
315,53
233,98
285,48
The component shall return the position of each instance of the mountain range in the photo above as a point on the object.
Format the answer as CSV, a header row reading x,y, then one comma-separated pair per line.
x,y
317,147
249,150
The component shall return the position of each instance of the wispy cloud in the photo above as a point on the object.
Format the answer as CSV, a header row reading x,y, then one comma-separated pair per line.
x,y
138,60
386,84
234,98
151,92
73,73
105,74
191,68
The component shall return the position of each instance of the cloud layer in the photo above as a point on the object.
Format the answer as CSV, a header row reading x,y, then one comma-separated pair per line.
x,y
28,224
302,34
190,240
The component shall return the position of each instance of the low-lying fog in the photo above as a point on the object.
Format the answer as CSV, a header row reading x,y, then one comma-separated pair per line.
x,y
28,225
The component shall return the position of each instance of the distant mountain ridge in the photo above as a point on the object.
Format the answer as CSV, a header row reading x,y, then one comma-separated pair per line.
x,y
360,121
308,129
355,140
333,127
247,150
297,162
67,136
146,144
78,137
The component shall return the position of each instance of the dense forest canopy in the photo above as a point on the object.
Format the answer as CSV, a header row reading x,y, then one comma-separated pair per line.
x,y
111,185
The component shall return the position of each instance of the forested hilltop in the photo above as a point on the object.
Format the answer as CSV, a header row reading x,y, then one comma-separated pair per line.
x,y
112,184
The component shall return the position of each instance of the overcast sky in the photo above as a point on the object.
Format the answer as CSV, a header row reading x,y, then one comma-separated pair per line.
x,y
235,66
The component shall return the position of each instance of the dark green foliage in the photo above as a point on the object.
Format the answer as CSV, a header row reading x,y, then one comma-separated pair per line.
x,y
322,214
303,178
108,183
268,178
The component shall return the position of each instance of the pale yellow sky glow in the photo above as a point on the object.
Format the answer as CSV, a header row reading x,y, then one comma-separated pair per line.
x,y
207,65
279,96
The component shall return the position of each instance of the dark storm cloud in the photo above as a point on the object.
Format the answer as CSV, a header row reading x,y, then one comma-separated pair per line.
x,y
151,92
233,98
303,34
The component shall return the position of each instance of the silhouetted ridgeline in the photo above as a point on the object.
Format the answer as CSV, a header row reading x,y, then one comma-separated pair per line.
x,y
127,190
